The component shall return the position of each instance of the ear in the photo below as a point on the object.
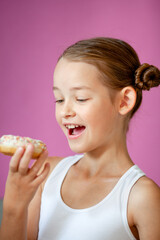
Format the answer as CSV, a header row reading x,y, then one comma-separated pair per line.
x,y
127,100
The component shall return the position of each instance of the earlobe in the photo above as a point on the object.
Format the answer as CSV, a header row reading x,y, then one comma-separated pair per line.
x,y
127,100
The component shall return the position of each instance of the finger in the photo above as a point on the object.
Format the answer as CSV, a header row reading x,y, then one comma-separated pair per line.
x,y
38,164
41,177
14,163
24,163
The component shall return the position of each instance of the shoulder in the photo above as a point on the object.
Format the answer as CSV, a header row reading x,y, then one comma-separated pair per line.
x,y
53,161
144,206
145,189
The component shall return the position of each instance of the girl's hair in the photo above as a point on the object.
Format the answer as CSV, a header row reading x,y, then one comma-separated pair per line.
x,y
118,65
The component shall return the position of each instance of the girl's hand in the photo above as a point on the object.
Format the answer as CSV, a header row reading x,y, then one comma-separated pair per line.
x,y
21,186
23,182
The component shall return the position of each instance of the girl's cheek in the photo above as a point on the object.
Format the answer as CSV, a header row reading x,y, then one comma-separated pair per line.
x,y
57,116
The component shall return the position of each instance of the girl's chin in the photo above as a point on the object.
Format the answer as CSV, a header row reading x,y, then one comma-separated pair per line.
x,y
78,148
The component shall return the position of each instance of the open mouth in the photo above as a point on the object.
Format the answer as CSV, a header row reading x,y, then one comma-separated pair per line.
x,y
74,130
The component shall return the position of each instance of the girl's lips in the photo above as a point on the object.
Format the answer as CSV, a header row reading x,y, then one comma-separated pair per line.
x,y
75,132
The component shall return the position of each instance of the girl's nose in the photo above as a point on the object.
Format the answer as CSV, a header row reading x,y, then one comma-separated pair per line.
x,y
67,110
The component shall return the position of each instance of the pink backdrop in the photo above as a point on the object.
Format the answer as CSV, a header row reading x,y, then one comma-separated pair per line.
x,y
35,32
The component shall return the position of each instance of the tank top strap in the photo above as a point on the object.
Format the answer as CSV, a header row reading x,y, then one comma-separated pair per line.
x,y
135,173
62,167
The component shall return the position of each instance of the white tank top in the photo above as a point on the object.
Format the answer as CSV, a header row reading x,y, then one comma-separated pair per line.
x,y
106,220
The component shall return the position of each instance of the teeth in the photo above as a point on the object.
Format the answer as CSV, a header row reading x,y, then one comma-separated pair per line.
x,y
71,126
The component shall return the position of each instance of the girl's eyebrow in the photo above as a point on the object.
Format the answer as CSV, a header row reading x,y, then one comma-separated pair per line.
x,y
74,88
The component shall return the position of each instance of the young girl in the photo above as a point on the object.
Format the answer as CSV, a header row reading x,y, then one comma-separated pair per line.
x,y
98,194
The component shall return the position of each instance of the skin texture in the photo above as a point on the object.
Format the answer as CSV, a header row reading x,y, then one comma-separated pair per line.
x,y
82,99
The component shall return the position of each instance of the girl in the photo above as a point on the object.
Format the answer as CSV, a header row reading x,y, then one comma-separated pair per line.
x,y
99,193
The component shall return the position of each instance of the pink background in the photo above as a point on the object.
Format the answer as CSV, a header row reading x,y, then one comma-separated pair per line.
x,y
33,35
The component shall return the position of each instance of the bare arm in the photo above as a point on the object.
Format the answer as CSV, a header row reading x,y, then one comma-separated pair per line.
x,y
145,202
34,215
21,187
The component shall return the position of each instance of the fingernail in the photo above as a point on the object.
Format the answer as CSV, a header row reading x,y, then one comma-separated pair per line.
x,y
20,149
46,152
30,146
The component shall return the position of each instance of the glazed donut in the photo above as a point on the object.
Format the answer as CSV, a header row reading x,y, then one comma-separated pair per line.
x,y
10,143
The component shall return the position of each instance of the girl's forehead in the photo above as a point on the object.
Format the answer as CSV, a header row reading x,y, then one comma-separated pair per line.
x,y
67,71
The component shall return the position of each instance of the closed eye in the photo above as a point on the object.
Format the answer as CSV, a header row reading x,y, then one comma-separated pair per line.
x,y
59,101
82,99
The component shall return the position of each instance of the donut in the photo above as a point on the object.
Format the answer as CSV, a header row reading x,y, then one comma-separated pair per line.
x,y
10,143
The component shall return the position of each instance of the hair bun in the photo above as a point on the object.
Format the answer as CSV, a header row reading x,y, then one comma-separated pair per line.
x,y
147,76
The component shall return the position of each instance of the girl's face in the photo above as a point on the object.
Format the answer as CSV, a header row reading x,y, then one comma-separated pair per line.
x,y
84,109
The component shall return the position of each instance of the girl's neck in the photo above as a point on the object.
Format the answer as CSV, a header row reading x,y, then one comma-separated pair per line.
x,y
113,159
